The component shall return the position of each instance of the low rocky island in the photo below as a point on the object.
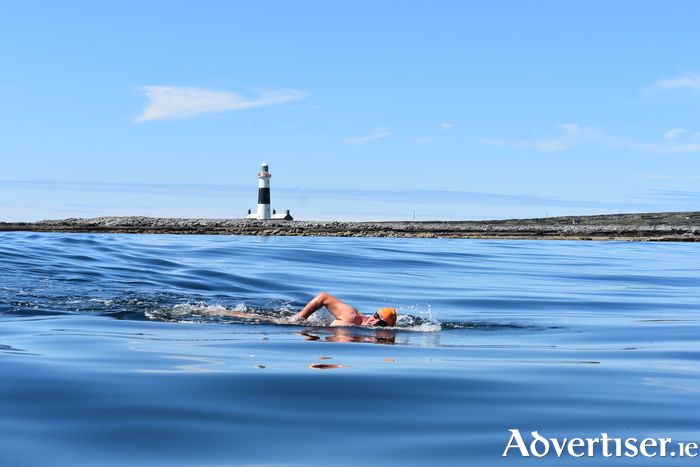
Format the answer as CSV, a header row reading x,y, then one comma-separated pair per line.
x,y
665,227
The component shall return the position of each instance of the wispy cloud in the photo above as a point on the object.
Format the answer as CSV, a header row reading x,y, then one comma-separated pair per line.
x,y
380,133
571,128
144,188
670,149
688,81
168,102
445,126
359,205
574,134
544,146
673,196
670,134
364,139
669,176
228,192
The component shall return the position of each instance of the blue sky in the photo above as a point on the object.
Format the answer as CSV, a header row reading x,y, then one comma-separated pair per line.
x,y
364,110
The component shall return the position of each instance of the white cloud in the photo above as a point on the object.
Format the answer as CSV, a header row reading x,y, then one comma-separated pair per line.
x,y
571,128
672,149
544,146
168,102
690,81
670,134
669,176
364,139
445,126
682,148
575,134
548,146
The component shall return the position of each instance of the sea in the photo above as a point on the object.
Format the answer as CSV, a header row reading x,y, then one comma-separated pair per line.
x,y
117,350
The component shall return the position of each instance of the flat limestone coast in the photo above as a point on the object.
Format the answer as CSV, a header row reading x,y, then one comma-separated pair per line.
x,y
664,227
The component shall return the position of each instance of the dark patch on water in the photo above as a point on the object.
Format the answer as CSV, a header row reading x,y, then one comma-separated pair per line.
x,y
12,350
493,326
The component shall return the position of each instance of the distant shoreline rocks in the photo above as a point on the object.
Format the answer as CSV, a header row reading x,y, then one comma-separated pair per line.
x,y
675,227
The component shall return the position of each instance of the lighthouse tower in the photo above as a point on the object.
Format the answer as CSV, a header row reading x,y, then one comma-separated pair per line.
x,y
264,192
264,198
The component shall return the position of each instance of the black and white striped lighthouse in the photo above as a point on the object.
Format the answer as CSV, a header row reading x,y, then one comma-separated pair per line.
x,y
264,192
264,198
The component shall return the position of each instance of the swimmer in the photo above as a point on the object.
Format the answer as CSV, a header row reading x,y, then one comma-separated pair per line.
x,y
345,314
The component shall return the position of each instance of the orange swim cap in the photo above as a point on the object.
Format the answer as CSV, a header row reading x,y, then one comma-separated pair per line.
x,y
388,315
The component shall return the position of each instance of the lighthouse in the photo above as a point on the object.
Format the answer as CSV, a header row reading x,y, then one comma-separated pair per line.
x,y
264,192
264,198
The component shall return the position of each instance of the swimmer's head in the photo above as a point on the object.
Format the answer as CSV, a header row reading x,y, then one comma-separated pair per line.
x,y
385,317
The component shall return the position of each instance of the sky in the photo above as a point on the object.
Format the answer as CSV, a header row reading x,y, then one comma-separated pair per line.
x,y
364,110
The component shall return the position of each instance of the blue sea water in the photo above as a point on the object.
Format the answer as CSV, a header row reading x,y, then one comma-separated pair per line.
x,y
115,350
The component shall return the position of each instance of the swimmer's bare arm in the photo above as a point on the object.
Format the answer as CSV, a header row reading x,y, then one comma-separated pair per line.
x,y
243,314
238,314
344,313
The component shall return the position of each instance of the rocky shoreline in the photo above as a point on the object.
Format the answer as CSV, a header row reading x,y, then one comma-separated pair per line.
x,y
673,227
